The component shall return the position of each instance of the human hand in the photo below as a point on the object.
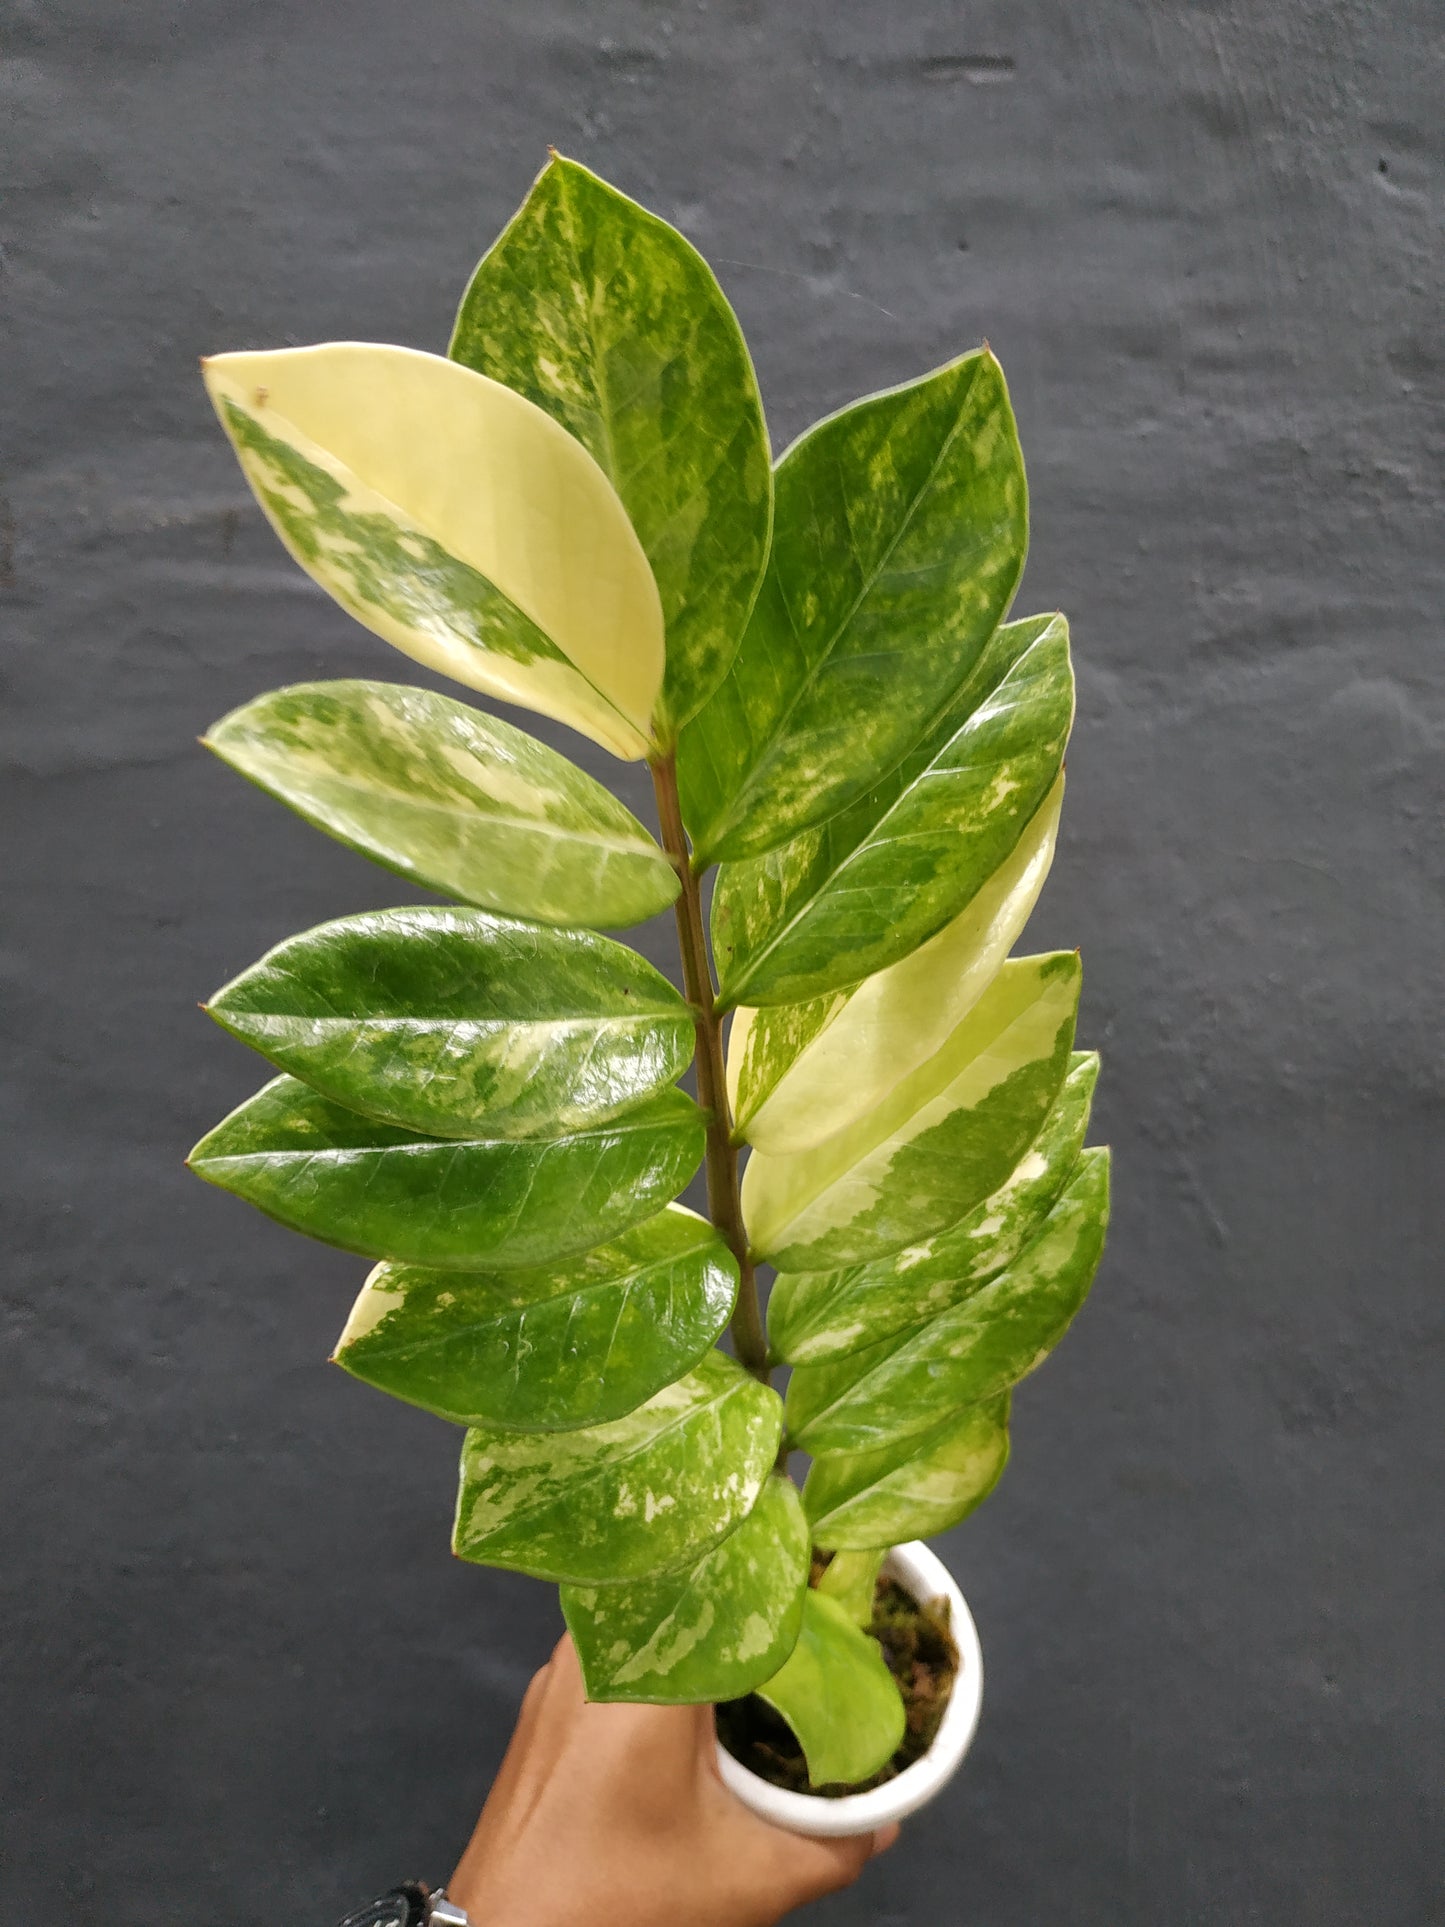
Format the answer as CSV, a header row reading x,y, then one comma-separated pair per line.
x,y
617,1816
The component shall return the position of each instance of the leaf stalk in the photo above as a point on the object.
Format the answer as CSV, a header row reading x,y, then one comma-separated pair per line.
x,y
723,1196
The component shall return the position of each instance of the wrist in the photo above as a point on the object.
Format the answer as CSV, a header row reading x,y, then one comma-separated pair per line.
x,y
412,1905
447,1909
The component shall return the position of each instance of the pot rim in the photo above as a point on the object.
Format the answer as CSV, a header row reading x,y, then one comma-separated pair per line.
x,y
922,1574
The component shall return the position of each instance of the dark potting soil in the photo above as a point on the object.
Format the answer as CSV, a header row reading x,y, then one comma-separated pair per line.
x,y
921,1656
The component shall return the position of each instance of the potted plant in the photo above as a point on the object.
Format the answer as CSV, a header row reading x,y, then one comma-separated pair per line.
x,y
576,511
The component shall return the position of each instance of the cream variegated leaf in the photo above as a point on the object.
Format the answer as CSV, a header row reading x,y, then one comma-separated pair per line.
x,y
798,1074
971,1353
814,1315
899,532
452,1022
610,320
866,888
551,1348
645,1494
458,521
450,798
937,1145
453,1203
713,1631
911,1488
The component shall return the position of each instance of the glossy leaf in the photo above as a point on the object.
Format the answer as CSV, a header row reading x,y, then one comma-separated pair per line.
x,y
852,1579
452,1022
911,1488
898,539
983,1345
813,1315
573,1343
455,1202
938,1144
838,1696
458,521
800,1073
454,800
608,319
711,1632
868,887
644,1494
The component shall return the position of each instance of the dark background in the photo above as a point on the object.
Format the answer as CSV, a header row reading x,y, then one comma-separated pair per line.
x,y
245,1680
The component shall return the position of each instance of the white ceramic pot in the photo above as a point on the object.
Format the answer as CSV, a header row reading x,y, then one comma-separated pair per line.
x,y
926,1577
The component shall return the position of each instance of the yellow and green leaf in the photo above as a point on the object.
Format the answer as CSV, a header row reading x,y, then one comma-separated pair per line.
x,y
645,1494
451,1021
608,319
458,521
911,1488
449,798
800,1073
936,1147
973,1352
455,1203
869,886
814,1315
711,1632
577,1342
899,532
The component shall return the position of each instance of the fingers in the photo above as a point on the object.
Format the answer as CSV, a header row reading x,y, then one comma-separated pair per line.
x,y
630,1784
565,1670
826,1866
549,1707
557,1699
814,1868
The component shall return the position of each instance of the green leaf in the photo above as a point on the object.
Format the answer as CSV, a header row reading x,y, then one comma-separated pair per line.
x,y
911,1488
453,1022
608,319
709,1633
800,1073
852,1579
838,1696
461,1203
458,521
574,1343
866,888
898,541
813,1315
449,798
642,1495
938,1144
985,1344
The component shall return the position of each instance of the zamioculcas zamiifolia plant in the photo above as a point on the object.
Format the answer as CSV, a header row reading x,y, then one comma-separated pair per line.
x,y
576,511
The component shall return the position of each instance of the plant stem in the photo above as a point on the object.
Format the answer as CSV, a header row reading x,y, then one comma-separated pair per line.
x,y
724,1201
852,1578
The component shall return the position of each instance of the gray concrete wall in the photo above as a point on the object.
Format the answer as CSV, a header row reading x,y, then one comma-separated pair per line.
x,y
245,1681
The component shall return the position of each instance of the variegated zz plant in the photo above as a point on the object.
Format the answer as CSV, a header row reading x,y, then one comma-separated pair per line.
x,y
576,511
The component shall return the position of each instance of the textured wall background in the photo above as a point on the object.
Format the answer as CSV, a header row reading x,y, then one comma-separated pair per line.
x,y
1205,240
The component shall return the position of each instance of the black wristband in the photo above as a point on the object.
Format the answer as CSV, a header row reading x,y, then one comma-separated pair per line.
x,y
404,1906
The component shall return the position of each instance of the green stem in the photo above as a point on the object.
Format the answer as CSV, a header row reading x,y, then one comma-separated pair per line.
x,y
724,1200
852,1578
